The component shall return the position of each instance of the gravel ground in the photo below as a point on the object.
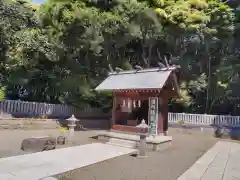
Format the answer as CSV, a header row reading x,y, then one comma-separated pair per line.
x,y
11,139
187,146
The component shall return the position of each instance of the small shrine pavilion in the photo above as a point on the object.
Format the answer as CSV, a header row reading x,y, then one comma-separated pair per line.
x,y
141,94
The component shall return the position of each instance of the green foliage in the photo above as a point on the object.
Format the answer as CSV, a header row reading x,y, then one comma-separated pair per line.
x,y
63,129
60,51
2,93
180,121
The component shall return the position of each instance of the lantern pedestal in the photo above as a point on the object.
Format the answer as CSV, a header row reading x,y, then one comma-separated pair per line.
x,y
144,129
71,130
142,146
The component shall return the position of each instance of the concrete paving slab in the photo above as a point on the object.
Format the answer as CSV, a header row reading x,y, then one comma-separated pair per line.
x,y
49,178
48,163
201,165
216,168
6,176
221,162
232,171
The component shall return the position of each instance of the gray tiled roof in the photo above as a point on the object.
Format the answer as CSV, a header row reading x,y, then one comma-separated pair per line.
x,y
142,79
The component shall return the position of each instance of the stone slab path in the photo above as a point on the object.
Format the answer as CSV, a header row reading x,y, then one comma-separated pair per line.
x,y
48,163
221,162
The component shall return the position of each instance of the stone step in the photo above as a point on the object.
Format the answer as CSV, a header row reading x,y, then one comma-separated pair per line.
x,y
155,143
122,143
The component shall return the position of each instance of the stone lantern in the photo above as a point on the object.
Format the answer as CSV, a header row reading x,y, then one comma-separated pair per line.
x,y
72,124
144,128
144,132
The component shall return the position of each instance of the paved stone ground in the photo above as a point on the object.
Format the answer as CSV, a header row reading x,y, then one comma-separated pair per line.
x,y
221,162
39,165
187,146
10,140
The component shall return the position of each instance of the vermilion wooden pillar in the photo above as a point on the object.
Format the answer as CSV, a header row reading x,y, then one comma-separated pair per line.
x,y
113,119
160,116
165,115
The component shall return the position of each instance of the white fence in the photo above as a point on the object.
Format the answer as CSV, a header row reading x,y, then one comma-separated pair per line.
x,y
45,110
204,119
23,108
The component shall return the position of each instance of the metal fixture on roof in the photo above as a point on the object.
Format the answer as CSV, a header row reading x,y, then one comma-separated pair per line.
x,y
166,61
118,69
138,67
161,65
110,68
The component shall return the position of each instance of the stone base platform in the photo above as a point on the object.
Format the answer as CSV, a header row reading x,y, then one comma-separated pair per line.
x,y
154,143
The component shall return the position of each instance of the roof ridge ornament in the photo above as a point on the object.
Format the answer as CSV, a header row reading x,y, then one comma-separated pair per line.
x,y
166,61
138,67
110,68
118,69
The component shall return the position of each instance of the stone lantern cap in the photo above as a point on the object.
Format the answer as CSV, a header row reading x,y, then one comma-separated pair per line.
x,y
144,128
72,119
143,125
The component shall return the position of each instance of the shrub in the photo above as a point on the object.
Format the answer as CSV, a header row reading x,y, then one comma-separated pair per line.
x,y
180,121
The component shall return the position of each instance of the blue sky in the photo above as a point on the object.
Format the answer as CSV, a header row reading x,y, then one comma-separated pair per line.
x,y
38,1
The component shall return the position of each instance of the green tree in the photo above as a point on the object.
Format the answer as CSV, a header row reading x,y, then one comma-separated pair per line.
x,y
60,51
